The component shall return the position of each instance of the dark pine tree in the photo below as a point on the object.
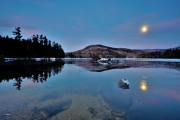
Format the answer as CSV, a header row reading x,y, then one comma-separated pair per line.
x,y
17,33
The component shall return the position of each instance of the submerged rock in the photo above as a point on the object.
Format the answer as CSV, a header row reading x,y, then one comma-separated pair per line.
x,y
124,83
51,110
93,111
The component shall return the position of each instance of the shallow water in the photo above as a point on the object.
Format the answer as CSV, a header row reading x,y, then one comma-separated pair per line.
x,y
154,93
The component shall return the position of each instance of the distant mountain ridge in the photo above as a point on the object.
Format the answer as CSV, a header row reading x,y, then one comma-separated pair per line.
x,y
161,50
177,47
153,50
111,52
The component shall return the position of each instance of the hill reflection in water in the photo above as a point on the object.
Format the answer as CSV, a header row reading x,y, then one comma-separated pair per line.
x,y
123,64
40,72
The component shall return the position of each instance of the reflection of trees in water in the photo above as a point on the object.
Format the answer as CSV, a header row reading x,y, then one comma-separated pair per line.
x,y
18,83
96,67
36,72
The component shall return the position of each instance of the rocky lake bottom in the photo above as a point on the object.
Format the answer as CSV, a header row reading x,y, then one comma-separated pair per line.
x,y
82,90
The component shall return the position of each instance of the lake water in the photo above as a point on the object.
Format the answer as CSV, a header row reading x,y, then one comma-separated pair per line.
x,y
81,90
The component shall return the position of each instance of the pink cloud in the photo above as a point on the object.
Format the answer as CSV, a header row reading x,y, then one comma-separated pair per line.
x,y
132,24
10,22
16,21
28,32
124,26
167,25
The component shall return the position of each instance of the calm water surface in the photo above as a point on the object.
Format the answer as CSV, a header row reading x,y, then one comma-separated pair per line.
x,y
72,91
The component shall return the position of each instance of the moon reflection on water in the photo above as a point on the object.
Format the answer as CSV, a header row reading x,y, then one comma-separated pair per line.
x,y
143,85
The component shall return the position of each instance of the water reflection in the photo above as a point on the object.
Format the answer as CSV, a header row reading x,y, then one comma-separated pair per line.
x,y
36,72
18,83
143,85
85,95
95,67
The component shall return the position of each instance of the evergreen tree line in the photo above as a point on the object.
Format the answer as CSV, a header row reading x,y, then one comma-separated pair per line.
x,y
37,46
169,53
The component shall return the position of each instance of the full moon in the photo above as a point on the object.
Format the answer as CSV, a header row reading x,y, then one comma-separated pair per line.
x,y
144,29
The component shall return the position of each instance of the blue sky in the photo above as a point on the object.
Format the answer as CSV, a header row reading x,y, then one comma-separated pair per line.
x,y
76,24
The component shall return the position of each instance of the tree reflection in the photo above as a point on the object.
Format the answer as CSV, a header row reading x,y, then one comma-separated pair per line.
x,y
36,72
18,83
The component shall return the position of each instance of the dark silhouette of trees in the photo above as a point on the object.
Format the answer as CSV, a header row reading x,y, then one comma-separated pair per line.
x,y
169,53
172,53
17,33
71,55
37,46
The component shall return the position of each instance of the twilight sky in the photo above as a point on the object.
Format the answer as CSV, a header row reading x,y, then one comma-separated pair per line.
x,y
76,24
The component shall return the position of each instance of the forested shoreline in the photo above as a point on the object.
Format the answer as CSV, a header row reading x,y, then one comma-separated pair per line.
x,y
169,53
34,47
38,46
